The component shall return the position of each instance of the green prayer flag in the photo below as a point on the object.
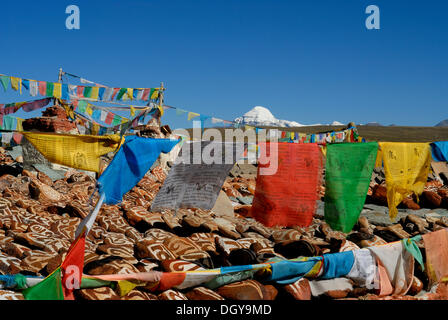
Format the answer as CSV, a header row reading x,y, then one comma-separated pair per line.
x,y
20,280
82,104
224,279
348,172
48,289
121,93
5,81
151,93
50,88
87,92
413,249
96,283
116,120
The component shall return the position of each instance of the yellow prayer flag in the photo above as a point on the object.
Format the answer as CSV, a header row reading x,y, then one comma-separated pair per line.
x,y
57,90
161,110
19,124
132,111
323,148
155,94
15,83
406,167
94,93
76,151
89,110
125,286
130,93
68,110
191,115
379,158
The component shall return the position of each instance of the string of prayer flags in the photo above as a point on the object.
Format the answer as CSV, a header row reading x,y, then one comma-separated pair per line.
x,y
130,164
75,151
64,91
348,173
406,167
288,179
192,115
198,175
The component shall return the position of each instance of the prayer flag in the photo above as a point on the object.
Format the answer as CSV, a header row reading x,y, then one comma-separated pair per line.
x,y
348,172
76,151
130,164
50,89
57,90
5,81
287,191
406,167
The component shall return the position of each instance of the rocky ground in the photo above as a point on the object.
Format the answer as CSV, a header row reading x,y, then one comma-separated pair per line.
x,y
38,219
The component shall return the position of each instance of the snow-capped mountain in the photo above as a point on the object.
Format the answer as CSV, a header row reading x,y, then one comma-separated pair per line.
x,y
261,116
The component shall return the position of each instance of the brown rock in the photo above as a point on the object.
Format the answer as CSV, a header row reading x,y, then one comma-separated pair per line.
x,y
180,246
300,289
102,293
179,266
202,293
11,295
46,124
16,250
9,265
379,194
154,250
271,292
172,295
36,260
139,295
432,199
416,286
286,235
410,204
44,178
43,192
243,290
109,265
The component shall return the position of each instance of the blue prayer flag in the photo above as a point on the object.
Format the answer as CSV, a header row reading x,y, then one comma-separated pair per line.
x,y
130,164
439,150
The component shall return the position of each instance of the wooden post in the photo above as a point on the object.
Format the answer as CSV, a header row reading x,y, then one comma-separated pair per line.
x,y
60,75
162,89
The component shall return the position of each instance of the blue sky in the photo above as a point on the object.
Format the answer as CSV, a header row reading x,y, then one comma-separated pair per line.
x,y
307,61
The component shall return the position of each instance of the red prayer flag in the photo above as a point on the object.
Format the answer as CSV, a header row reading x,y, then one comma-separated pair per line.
x,y
80,91
16,136
169,280
145,94
114,93
288,197
72,267
42,88
109,118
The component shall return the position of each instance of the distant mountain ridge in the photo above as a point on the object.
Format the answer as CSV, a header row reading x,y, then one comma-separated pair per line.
x,y
443,123
261,116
